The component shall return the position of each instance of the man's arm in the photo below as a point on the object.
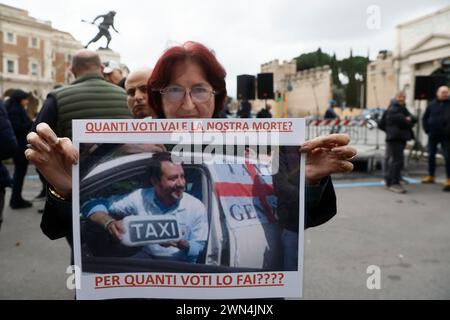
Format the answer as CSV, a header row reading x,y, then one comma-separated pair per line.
x,y
100,210
98,17
425,120
48,114
114,227
112,25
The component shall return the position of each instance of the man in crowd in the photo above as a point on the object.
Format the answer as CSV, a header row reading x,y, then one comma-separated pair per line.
x,y
265,112
436,123
88,97
8,148
113,73
137,98
245,110
398,126
165,197
21,124
330,113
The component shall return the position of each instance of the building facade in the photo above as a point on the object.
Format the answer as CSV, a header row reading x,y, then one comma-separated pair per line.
x,y
422,44
303,93
381,80
34,56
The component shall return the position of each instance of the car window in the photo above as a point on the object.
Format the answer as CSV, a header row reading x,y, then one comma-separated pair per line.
x,y
123,179
140,179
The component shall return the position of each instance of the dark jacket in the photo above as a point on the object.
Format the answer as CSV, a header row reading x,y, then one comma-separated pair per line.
x,y
264,113
245,110
436,119
88,97
320,201
330,114
8,145
398,128
20,121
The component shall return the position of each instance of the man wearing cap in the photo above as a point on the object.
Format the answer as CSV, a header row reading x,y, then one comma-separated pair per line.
x,y
112,72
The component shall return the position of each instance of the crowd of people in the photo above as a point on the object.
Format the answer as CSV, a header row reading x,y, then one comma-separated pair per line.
x,y
398,123
187,82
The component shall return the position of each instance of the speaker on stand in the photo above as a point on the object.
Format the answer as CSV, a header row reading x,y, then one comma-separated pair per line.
x,y
245,92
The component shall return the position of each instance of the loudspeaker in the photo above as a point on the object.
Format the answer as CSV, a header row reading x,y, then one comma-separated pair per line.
x,y
265,86
426,86
246,87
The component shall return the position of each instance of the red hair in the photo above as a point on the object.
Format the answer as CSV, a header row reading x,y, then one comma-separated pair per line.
x,y
198,53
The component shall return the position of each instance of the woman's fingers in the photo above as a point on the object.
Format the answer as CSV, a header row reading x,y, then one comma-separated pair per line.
x,y
345,152
68,150
37,143
46,133
36,157
345,166
329,141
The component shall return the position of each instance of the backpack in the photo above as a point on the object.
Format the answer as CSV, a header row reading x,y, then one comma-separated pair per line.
x,y
382,122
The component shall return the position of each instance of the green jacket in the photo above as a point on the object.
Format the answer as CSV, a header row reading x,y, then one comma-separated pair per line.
x,y
89,97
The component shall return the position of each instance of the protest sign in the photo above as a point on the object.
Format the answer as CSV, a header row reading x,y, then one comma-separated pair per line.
x,y
187,208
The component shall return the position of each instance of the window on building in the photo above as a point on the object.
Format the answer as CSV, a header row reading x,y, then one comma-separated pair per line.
x,y
34,42
10,66
34,69
10,38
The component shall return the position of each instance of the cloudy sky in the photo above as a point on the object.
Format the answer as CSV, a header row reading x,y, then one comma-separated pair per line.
x,y
243,33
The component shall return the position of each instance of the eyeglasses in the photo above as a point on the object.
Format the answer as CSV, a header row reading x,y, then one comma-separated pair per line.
x,y
177,93
132,91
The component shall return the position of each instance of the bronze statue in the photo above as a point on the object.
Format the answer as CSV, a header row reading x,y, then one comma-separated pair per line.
x,y
108,21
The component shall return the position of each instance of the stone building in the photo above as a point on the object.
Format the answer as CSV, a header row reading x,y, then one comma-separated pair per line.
x,y
34,56
421,46
303,93
381,80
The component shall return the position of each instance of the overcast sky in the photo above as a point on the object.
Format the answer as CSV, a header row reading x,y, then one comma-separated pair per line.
x,y
243,33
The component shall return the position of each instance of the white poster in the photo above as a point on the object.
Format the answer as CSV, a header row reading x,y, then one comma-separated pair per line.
x,y
186,209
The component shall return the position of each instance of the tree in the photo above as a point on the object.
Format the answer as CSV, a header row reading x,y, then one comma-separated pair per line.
x,y
312,60
354,68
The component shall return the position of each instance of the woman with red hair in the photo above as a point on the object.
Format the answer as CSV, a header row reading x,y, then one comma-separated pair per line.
x,y
190,66
189,82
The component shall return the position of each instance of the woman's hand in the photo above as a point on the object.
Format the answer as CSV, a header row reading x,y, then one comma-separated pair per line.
x,y
327,155
53,157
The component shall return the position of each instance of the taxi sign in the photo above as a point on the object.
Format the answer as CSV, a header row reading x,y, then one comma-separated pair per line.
x,y
154,229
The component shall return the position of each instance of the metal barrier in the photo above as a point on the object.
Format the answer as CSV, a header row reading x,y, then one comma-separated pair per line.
x,y
360,131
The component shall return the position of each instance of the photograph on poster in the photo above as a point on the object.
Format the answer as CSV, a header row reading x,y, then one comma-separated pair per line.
x,y
154,212
163,208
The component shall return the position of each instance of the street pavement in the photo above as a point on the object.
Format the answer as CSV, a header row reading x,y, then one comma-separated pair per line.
x,y
406,236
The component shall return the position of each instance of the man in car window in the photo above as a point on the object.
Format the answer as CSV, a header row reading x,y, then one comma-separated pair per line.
x,y
166,197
